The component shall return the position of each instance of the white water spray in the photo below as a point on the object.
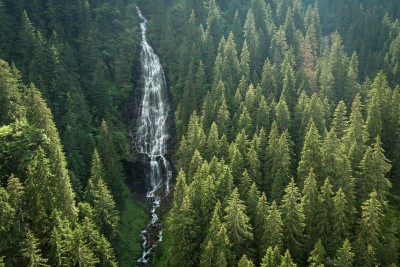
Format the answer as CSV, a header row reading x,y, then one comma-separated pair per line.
x,y
151,136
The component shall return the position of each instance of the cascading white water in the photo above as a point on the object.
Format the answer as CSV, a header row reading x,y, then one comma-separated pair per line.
x,y
151,136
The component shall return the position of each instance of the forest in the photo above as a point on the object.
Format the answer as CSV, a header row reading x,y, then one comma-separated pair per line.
x,y
284,135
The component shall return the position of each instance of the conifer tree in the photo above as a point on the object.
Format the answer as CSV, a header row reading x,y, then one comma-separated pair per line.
x,y
287,260
245,262
368,242
260,221
254,165
268,82
7,212
356,136
98,195
253,40
60,240
15,190
245,61
324,214
341,221
293,221
252,201
195,165
31,252
310,206
112,167
272,257
282,117
180,190
344,255
311,155
223,118
212,145
317,256
183,230
278,161
273,228
237,222
340,122
40,115
374,168
374,119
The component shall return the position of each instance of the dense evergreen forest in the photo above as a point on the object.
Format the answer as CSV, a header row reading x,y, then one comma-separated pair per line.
x,y
287,143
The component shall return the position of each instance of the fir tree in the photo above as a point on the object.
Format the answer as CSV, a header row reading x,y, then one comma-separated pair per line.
x,y
32,253
245,262
317,256
272,257
98,195
344,255
287,260
324,214
341,221
238,227
310,206
273,228
183,230
293,221
374,168
311,155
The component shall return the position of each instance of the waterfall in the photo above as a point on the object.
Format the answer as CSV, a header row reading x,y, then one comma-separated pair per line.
x,y
151,135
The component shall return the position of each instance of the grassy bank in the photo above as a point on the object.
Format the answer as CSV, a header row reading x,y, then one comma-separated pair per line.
x,y
128,245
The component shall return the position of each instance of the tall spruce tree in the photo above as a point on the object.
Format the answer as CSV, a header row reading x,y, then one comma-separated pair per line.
x,y
293,221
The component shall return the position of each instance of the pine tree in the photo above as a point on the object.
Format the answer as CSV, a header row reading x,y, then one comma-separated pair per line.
x,y
245,61
96,242
245,262
374,168
60,240
238,227
310,205
183,231
195,165
260,222
253,40
287,260
374,119
278,162
293,221
369,235
356,136
268,82
31,252
341,221
7,212
317,256
98,195
272,257
340,122
324,214
112,166
223,118
311,155
254,165
40,115
212,145
344,255
282,117
273,228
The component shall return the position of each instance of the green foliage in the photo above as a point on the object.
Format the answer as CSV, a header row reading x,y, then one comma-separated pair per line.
x,y
293,223
237,223
344,255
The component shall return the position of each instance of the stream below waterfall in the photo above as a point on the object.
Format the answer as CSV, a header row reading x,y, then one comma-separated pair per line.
x,y
151,138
